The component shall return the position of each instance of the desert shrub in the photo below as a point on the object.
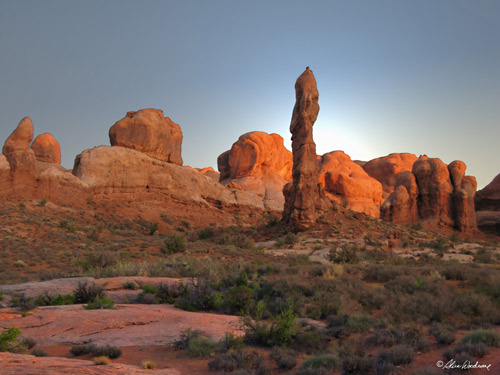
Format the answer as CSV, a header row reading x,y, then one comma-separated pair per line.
x,y
150,288
132,285
384,368
312,371
478,350
148,365
198,297
346,254
428,371
206,233
290,239
409,336
398,355
107,351
8,339
246,360
231,342
78,350
455,271
488,338
100,303
186,335
382,273
355,364
325,361
239,300
359,323
310,340
175,243
285,358
86,292
201,346
37,352
476,307
50,300
27,343
70,225
167,292
147,298
442,335
483,255
22,302
101,360
43,202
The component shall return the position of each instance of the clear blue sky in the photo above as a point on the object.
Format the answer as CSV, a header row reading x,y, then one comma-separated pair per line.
x,y
393,76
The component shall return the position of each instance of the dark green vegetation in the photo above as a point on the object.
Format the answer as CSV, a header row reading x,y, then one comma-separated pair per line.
x,y
96,351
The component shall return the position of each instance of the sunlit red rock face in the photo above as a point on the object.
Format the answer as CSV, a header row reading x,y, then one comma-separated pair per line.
x,y
47,149
386,169
347,183
435,193
149,132
305,199
488,206
21,157
258,162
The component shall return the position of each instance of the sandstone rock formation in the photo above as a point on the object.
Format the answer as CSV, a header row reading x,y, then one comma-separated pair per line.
x,y
386,169
21,158
149,132
488,206
46,149
258,162
435,193
17,364
347,183
304,198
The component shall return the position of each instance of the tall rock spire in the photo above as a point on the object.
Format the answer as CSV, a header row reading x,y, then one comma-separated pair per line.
x,y
304,197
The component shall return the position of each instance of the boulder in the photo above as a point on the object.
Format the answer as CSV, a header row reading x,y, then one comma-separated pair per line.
x,y
258,162
346,182
46,149
386,169
305,200
149,132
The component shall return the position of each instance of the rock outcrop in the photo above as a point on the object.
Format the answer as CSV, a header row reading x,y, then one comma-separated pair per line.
x,y
149,132
434,193
488,206
47,149
386,169
21,157
347,183
305,199
258,162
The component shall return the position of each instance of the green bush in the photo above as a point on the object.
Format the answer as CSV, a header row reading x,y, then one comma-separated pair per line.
x,y
50,300
355,364
249,361
78,350
100,304
478,350
201,346
175,243
187,335
86,292
290,239
106,351
488,338
346,254
398,355
325,361
285,359
442,335
8,338
132,285
206,233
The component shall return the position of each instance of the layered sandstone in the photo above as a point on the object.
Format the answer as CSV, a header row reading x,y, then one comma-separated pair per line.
x,y
305,199
386,169
347,183
488,206
258,162
149,132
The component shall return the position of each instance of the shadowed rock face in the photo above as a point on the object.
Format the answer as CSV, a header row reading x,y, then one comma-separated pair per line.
x,y
47,149
488,206
149,132
304,198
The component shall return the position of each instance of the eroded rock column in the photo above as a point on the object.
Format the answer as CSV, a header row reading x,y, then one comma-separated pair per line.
x,y
304,197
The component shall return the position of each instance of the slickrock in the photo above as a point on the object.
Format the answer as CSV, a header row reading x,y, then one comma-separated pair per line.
x,y
488,206
258,162
386,169
347,183
47,149
126,325
149,132
305,199
21,364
